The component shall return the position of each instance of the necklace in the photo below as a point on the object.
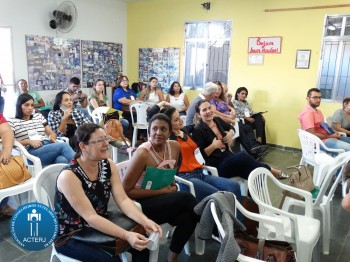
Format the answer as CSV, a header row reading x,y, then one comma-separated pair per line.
x,y
155,152
180,134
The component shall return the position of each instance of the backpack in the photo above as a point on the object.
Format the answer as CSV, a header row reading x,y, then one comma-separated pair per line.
x,y
114,129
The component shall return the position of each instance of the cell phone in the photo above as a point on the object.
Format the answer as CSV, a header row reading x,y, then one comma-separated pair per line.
x,y
63,107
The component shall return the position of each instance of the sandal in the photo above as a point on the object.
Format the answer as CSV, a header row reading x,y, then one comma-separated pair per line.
x,y
7,210
282,176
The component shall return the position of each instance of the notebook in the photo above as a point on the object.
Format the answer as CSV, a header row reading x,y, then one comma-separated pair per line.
x,y
326,127
156,178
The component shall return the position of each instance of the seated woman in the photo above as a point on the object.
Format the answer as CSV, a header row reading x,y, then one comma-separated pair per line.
x,y
82,194
177,98
33,132
152,93
213,136
6,136
164,205
228,114
123,97
341,118
64,119
243,110
97,97
190,169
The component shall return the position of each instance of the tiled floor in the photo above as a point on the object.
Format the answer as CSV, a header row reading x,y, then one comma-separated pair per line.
x,y
340,235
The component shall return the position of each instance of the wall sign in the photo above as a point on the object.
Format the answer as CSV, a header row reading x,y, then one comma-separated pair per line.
x,y
303,59
264,45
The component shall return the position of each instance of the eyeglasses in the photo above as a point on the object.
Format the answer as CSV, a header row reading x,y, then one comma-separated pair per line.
x,y
316,97
125,80
100,140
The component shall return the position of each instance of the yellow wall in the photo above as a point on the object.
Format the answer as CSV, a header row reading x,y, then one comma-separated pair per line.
x,y
275,86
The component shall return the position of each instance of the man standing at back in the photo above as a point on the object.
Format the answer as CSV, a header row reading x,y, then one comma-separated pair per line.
x,y
311,117
78,97
207,93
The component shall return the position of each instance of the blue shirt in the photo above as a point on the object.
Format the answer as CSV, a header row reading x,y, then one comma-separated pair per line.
x,y
120,93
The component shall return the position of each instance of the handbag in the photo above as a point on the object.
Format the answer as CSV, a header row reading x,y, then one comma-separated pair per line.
x,y
14,173
300,178
266,250
116,245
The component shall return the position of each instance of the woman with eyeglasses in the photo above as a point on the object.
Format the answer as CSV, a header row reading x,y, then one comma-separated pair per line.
x,y
64,119
166,204
123,97
244,111
33,132
82,195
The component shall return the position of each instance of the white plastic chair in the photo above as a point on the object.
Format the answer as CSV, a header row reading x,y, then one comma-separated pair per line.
x,y
301,231
323,200
26,186
141,115
98,112
273,222
311,147
44,192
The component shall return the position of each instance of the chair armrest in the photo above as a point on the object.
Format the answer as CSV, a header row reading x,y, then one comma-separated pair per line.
x,y
331,149
342,134
186,182
36,167
212,170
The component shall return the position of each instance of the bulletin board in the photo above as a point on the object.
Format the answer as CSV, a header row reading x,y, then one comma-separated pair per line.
x,y
51,61
163,63
100,60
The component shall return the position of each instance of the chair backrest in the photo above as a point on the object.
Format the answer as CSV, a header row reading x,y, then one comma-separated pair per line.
x,y
336,170
45,184
97,113
141,113
310,145
122,166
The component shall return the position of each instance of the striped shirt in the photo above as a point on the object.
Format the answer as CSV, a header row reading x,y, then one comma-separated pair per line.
x,y
21,127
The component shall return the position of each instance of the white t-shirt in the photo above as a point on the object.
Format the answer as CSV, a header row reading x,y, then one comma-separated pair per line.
x,y
177,102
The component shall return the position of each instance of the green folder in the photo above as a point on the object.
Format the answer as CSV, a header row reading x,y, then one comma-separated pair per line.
x,y
156,178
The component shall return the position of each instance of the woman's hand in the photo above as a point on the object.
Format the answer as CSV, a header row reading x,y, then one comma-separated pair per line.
x,y
67,113
136,240
150,226
35,143
5,157
217,143
52,137
249,119
169,189
227,139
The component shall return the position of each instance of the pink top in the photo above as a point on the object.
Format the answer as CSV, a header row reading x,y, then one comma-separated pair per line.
x,y
170,162
311,118
2,119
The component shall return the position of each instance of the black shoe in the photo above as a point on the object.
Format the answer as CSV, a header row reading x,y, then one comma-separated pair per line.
x,y
259,149
261,155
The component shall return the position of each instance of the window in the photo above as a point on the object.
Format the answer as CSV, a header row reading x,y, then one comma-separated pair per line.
x,y
334,75
6,71
207,52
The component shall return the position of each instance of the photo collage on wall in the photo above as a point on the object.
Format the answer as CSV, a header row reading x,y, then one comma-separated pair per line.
x,y
163,63
100,60
53,61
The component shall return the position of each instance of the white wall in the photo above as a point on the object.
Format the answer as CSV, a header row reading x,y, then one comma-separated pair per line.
x,y
99,20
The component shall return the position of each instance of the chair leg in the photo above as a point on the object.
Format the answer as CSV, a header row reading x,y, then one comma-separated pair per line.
x,y
153,255
304,252
326,223
187,249
134,137
123,257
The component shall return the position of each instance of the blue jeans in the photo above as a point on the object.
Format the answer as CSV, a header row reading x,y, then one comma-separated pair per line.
x,y
87,252
342,143
53,153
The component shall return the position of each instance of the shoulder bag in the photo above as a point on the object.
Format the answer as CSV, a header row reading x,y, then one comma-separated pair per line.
x,y
14,173
300,178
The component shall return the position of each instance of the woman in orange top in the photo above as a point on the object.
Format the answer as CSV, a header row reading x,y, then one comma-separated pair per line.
x,y
190,169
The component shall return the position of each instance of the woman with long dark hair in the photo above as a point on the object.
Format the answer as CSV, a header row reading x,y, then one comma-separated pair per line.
x,y
33,132
177,98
